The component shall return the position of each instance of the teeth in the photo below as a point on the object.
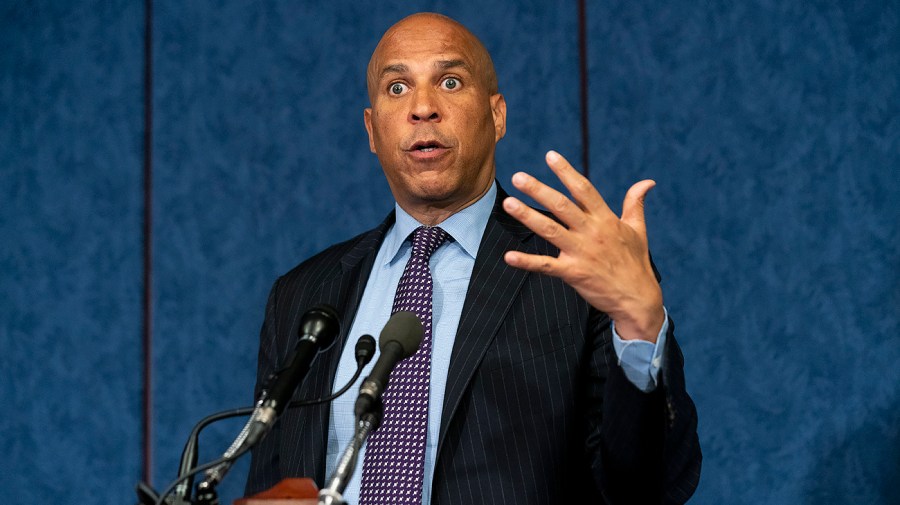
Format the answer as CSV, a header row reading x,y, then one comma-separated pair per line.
x,y
427,149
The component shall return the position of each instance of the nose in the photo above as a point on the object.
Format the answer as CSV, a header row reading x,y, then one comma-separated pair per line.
x,y
424,107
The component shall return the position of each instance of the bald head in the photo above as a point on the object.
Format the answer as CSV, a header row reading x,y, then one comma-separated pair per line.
x,y
409,29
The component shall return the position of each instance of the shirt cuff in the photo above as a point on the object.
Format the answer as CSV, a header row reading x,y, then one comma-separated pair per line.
x,y
639,359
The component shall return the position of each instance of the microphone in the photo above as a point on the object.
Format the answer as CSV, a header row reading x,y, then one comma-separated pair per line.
x,y
399,340
364,350
318,328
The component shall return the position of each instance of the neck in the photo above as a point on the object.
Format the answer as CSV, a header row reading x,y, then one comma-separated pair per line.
x,y
433,214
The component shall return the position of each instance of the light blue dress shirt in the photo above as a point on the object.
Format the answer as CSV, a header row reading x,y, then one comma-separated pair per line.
x,y
451,267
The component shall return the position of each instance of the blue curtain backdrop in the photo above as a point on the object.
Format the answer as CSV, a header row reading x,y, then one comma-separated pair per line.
x,y
771,128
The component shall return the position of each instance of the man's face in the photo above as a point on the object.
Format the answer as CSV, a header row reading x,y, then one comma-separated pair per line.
x,y
434,122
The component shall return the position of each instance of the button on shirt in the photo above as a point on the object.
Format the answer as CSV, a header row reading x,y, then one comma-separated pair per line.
x,y
451,268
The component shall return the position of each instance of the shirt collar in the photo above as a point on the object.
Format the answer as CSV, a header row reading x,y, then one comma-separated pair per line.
x,y
466,226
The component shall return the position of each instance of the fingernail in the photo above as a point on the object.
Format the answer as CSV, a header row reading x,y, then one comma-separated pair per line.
x,y
511,204
552,156
519,178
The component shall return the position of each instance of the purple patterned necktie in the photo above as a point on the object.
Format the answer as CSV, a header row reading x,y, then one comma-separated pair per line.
x,y
393,466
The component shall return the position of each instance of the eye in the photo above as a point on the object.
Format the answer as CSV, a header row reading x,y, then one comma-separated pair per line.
x,y
397,88
450,83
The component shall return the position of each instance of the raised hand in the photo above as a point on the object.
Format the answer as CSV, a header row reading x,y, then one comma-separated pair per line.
x,y
604,257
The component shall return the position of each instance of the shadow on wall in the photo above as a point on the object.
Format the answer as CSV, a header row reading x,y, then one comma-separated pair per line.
x,y
864,467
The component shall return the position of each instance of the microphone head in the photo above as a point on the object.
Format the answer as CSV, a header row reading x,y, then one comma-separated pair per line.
x,y
322,324
405,329
365,349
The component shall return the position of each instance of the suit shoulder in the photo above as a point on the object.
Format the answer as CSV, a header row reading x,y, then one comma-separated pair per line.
x,y
327,262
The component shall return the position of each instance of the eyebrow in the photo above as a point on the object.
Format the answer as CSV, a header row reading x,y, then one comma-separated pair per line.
x,y
400,68
448,64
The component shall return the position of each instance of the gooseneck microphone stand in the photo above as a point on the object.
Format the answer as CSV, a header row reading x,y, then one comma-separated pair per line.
x,y
332,493
249,435
206,493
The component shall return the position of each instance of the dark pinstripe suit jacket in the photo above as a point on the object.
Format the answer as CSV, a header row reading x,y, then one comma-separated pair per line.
x,y
536,410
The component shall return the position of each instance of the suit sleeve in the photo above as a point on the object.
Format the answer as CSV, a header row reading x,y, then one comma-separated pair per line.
x,y
642,447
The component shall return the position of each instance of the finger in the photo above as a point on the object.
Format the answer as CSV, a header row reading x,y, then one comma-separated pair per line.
x,y
554,201
547,228
532,262
633,205
578,185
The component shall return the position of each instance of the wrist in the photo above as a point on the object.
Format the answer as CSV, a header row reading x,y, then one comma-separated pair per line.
x,y
641,325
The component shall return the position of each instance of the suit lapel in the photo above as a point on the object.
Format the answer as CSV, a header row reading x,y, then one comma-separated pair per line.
x,y
346,290
343,292
492,288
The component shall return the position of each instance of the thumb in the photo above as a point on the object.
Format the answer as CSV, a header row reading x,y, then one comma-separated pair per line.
x,y
633,205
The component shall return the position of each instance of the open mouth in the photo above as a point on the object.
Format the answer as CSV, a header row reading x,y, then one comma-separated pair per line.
x,y
426,146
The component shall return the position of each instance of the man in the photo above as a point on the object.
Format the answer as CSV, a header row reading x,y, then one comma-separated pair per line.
x,y
553,373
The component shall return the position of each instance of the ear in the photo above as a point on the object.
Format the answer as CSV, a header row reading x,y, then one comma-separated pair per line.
x,y
367,118
498,109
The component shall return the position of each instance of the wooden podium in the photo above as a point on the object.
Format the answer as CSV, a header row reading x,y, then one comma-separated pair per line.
x,y
291,491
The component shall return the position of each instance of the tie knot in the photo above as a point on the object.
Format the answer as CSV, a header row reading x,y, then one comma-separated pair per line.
x,y
426,240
